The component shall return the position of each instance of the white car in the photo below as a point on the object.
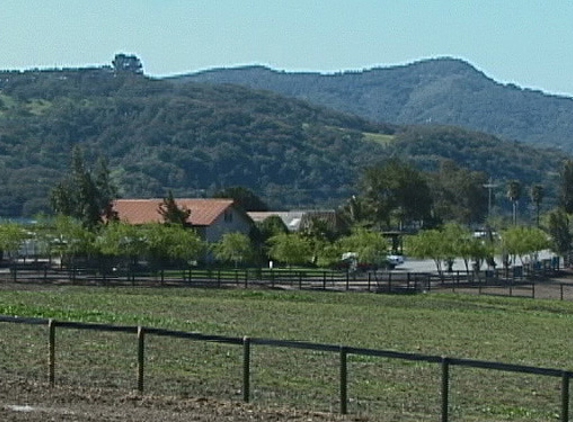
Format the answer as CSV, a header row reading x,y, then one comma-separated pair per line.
x,y
395,260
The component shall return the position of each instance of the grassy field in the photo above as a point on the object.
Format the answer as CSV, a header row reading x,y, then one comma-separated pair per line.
x,y
520,331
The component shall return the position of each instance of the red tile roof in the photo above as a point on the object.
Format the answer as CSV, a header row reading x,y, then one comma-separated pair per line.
x,y
140,211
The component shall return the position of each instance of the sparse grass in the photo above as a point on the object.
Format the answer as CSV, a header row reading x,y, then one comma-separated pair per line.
x,y
520,331
38,106
35,106
378,138
6,103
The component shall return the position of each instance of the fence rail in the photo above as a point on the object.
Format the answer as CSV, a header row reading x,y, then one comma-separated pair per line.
x,y
527,281
342,351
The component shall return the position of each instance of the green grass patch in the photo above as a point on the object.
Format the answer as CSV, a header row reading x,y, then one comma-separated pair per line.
x,y
520,331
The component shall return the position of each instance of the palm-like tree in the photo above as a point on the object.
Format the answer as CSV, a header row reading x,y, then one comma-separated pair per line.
x,y
513,194
537,194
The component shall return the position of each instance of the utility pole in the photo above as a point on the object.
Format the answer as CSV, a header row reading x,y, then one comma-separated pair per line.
x,y
489,186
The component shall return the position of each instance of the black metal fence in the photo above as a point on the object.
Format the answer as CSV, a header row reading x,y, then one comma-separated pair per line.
x,y
445,363
529,280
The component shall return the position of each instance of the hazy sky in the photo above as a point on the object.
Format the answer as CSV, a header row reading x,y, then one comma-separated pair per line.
x,y
527,42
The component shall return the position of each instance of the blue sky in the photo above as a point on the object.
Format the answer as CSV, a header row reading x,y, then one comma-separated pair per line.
x,y
526,42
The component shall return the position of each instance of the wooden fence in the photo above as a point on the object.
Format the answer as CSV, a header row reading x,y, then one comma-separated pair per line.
x,y
342,351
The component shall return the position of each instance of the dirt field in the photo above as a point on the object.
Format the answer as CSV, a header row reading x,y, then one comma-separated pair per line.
x,y
21,400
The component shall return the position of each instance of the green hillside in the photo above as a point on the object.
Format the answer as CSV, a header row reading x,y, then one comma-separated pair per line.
x,y
441,91
157,136
197,138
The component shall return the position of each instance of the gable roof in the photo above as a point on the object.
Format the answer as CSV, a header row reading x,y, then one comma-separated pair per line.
x,y
140,211
297,220
291,219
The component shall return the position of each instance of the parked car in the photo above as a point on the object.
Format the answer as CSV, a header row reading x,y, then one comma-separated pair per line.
x,y
394,260
350,261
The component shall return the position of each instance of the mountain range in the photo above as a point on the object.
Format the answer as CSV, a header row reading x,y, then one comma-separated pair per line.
x,y
195,138
443,91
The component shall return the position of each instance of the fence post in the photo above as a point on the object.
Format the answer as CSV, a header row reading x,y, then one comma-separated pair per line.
x,y
532,290
324,280
246,368
369,280
565,397
343,381
246,278
52,351
140,357
445,387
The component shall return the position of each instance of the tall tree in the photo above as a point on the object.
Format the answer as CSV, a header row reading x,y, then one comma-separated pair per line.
x,y
537,194
262,232
243,197
397,192
566,187
173,213
558,228
124,63
107,191
356,212
459,194
83,196
319,234
514,194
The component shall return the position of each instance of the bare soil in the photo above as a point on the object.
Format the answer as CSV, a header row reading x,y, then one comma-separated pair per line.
x,y
23,400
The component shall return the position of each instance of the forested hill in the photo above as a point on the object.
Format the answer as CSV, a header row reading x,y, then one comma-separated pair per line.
x,y
197,138
437,91
193,139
